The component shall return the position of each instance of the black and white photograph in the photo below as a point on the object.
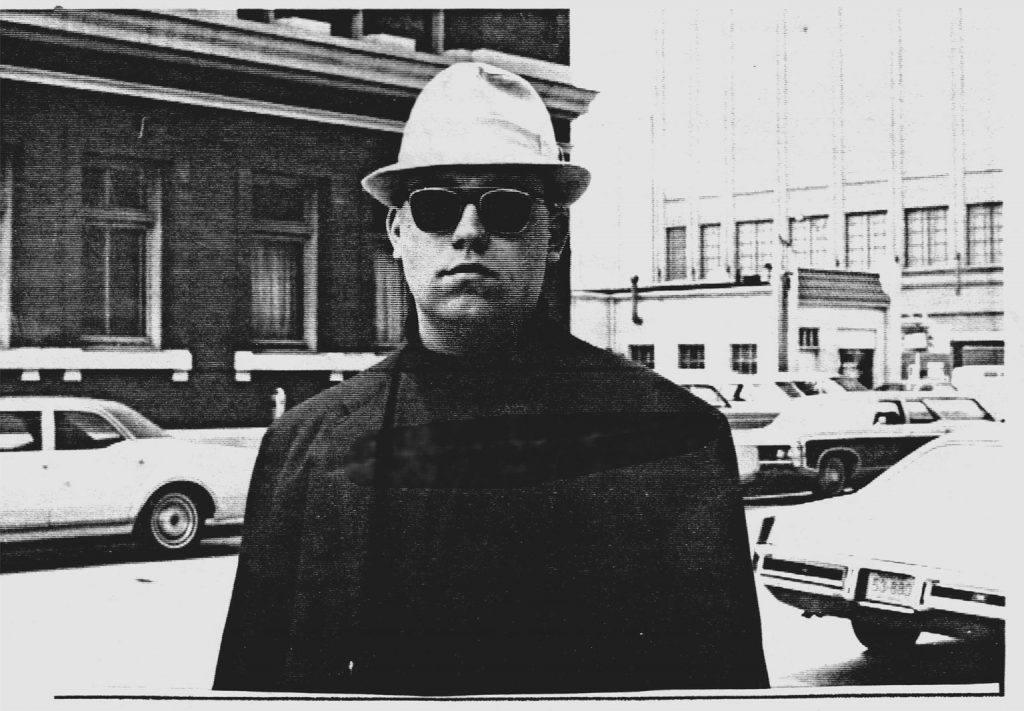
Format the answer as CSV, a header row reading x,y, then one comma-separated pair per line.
x,y
537,352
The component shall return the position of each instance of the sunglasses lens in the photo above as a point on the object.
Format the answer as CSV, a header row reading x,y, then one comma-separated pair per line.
x,y
506,211
500,210
435,209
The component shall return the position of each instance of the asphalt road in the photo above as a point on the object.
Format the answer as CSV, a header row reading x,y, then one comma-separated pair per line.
x,y
104,619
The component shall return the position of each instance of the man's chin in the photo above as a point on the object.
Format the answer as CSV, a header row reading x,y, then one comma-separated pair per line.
x,y
471,309
476,311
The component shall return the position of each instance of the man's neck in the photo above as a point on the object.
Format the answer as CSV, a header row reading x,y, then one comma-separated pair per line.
x,y
462,339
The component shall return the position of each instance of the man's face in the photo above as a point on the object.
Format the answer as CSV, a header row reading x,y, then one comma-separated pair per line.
x,y
468,275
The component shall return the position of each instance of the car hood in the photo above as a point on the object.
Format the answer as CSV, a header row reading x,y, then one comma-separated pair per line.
x,y
945,536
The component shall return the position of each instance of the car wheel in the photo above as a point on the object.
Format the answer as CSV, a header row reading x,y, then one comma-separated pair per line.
x,y
171,522
833,473
881,637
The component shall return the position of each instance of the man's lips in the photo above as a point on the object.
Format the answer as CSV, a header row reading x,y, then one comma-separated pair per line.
x,y
478,269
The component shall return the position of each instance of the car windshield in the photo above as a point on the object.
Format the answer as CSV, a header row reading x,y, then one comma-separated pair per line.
x,y
791,389
849,383
956,408
807,387
708,394
138,425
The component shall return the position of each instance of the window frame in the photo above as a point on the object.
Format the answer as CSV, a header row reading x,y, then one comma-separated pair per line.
x,y
815,236
763,241
96,443
7,182
389,327
992,242
33,428
710,259
813,340
639,352
150,219
875,242
676,263
743,355
927,241
698,356
304,232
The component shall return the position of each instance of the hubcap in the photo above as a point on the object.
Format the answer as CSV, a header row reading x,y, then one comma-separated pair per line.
x,y
174,521
832,477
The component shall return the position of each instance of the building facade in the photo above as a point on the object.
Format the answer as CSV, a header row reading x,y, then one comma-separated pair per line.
x,y
850,140
182,223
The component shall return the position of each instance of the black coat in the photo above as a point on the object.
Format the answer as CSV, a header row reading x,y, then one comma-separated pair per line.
x,y
555,521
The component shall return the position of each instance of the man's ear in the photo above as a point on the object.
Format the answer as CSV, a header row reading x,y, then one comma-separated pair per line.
x,y
394,232
558,234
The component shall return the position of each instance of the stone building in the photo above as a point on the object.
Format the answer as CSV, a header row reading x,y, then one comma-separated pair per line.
x,y
182,223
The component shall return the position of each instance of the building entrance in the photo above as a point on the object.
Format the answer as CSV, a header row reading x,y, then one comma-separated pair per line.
x,y
858,363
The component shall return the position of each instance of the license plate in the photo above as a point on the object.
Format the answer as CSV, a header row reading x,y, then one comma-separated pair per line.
x,y
889,587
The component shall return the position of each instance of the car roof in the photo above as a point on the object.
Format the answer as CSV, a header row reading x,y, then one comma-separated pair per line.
x,y
899,395
825,402
40,401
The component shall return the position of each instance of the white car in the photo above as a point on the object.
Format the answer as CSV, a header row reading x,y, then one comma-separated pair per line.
x,y
739,415
791,384
77,467
922,548
752,401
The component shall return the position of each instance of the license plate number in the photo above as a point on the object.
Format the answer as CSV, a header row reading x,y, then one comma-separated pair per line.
x,y
889,587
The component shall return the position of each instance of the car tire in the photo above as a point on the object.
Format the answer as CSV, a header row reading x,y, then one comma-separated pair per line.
x,y
833,474
172,522
880,637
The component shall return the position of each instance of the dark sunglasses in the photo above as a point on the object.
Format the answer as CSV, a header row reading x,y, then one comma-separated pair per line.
x,y
501,210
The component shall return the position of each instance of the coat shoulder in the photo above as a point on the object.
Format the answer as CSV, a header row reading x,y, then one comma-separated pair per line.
x,y
636,384
338,401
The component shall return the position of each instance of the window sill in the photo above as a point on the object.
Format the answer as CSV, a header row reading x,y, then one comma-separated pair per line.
x,y
247,362
30,361
950,269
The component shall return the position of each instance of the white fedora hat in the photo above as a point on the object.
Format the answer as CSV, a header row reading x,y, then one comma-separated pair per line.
x,y
474,115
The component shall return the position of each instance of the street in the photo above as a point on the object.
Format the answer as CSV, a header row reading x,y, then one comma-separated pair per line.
x,y
105,619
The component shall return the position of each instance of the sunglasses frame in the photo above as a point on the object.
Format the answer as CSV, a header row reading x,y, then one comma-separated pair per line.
x,y
475,197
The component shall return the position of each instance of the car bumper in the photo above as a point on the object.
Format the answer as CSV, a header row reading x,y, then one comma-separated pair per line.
x,y
934,600
942,622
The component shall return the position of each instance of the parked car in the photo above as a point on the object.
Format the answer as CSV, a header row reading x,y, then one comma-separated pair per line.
x,y
791,384
740,415
754,401
79,467
987,383
833,441
938,386
920,549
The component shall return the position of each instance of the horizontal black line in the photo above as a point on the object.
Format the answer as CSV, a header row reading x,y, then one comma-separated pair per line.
x,y
342,697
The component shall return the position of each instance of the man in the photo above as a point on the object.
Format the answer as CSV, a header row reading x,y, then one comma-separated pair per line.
x,y
499,507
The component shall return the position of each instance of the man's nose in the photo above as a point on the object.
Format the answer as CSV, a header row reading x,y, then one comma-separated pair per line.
x,y
470,232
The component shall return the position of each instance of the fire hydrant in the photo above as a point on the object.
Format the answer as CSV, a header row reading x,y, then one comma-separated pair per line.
x,y
280,400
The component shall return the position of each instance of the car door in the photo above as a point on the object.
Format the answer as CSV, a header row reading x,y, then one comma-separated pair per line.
x,y
97,473
26,487
903,430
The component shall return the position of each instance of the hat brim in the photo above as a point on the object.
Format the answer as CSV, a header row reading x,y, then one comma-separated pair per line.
x,y
565,181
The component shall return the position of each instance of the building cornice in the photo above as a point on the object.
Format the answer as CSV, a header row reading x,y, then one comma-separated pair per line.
x,y
216,40
194,98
